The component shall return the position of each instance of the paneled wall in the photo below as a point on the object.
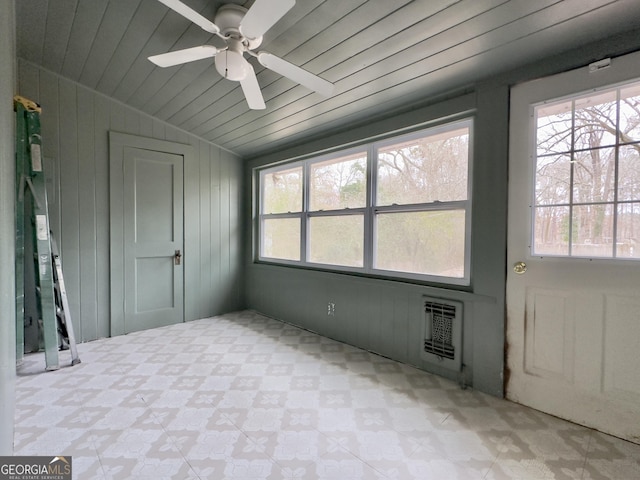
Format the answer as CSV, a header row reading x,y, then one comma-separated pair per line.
x,y
75,125
7,230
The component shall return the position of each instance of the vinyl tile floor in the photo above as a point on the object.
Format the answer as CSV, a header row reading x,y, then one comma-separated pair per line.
x,y
242,396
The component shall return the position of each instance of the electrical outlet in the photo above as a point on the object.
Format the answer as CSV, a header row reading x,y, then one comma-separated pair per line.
x,y
331,309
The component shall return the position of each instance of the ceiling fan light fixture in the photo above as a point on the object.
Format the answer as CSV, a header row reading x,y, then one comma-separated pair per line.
x,y
231,65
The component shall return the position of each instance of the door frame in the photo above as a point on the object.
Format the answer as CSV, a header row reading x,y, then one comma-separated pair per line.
x,y
523,96
117,143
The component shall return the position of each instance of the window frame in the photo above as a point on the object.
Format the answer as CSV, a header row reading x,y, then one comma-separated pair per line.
x,y
616,146
262,217
370,210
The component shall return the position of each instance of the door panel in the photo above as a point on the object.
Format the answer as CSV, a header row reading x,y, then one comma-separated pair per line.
x,y
153,199
153,231
621,346
573,317
160,270
549,334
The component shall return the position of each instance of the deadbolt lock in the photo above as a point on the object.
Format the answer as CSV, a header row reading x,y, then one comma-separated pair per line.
x,y
520,267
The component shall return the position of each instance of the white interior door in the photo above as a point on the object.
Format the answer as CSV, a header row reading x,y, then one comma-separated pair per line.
x,y
153,239
573,285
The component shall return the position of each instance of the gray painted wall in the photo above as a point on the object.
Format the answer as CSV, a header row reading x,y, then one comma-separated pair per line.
x,y
386,316
75,125
7,228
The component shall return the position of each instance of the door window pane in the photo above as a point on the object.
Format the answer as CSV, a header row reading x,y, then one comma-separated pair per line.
x,y
339,183
552,231
554,128
628,244
630,114
430,242
553,180
592,231
594,175
629,173
595,121
337,240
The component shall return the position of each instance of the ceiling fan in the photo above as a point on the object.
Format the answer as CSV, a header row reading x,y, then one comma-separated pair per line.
x,y
242,31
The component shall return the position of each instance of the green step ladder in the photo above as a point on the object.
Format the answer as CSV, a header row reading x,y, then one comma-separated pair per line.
x,y
53,307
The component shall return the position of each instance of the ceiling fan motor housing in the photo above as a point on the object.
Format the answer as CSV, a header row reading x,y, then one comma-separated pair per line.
x,y
228,18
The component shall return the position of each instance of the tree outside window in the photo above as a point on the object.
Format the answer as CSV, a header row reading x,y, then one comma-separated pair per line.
x,y
587,178
398,207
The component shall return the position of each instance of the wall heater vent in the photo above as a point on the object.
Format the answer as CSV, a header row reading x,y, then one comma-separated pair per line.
x,y
443,333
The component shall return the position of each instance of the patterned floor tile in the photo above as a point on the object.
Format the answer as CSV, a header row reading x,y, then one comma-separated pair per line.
x,y
212,445
350,468
599,469
242,396
88,467
529,469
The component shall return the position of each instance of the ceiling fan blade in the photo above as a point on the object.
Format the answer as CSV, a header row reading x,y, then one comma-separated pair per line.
x,y
179,57
262,15
297,74
190,14
251,90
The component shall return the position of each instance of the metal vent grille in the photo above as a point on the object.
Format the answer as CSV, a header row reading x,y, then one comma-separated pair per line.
x,y
440,319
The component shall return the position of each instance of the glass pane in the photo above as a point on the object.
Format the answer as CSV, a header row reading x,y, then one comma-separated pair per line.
x,y
594,175
282,191
595,120
337,240
629,173
281,238
429,243
592,229
425,170
339,183
553,180
628,241
630,114
551,231
553,128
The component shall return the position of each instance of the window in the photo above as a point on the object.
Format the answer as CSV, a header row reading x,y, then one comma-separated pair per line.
x,y
421,202
337,201
587,175
282,200
399,207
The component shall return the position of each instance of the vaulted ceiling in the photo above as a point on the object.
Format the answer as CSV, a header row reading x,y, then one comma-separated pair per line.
x,y
381,54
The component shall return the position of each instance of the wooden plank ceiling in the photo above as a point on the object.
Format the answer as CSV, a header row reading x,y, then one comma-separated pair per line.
x,y
381,54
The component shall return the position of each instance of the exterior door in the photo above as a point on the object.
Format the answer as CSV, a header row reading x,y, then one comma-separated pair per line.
x,y
573,280
153,239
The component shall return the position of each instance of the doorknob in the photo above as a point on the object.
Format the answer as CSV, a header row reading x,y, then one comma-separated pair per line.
x,y
177,257
519,267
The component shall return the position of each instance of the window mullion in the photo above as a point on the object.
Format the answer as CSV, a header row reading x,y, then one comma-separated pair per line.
x,y
304,216
337,213
422,207
369,219
258,222
616,160
571,174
